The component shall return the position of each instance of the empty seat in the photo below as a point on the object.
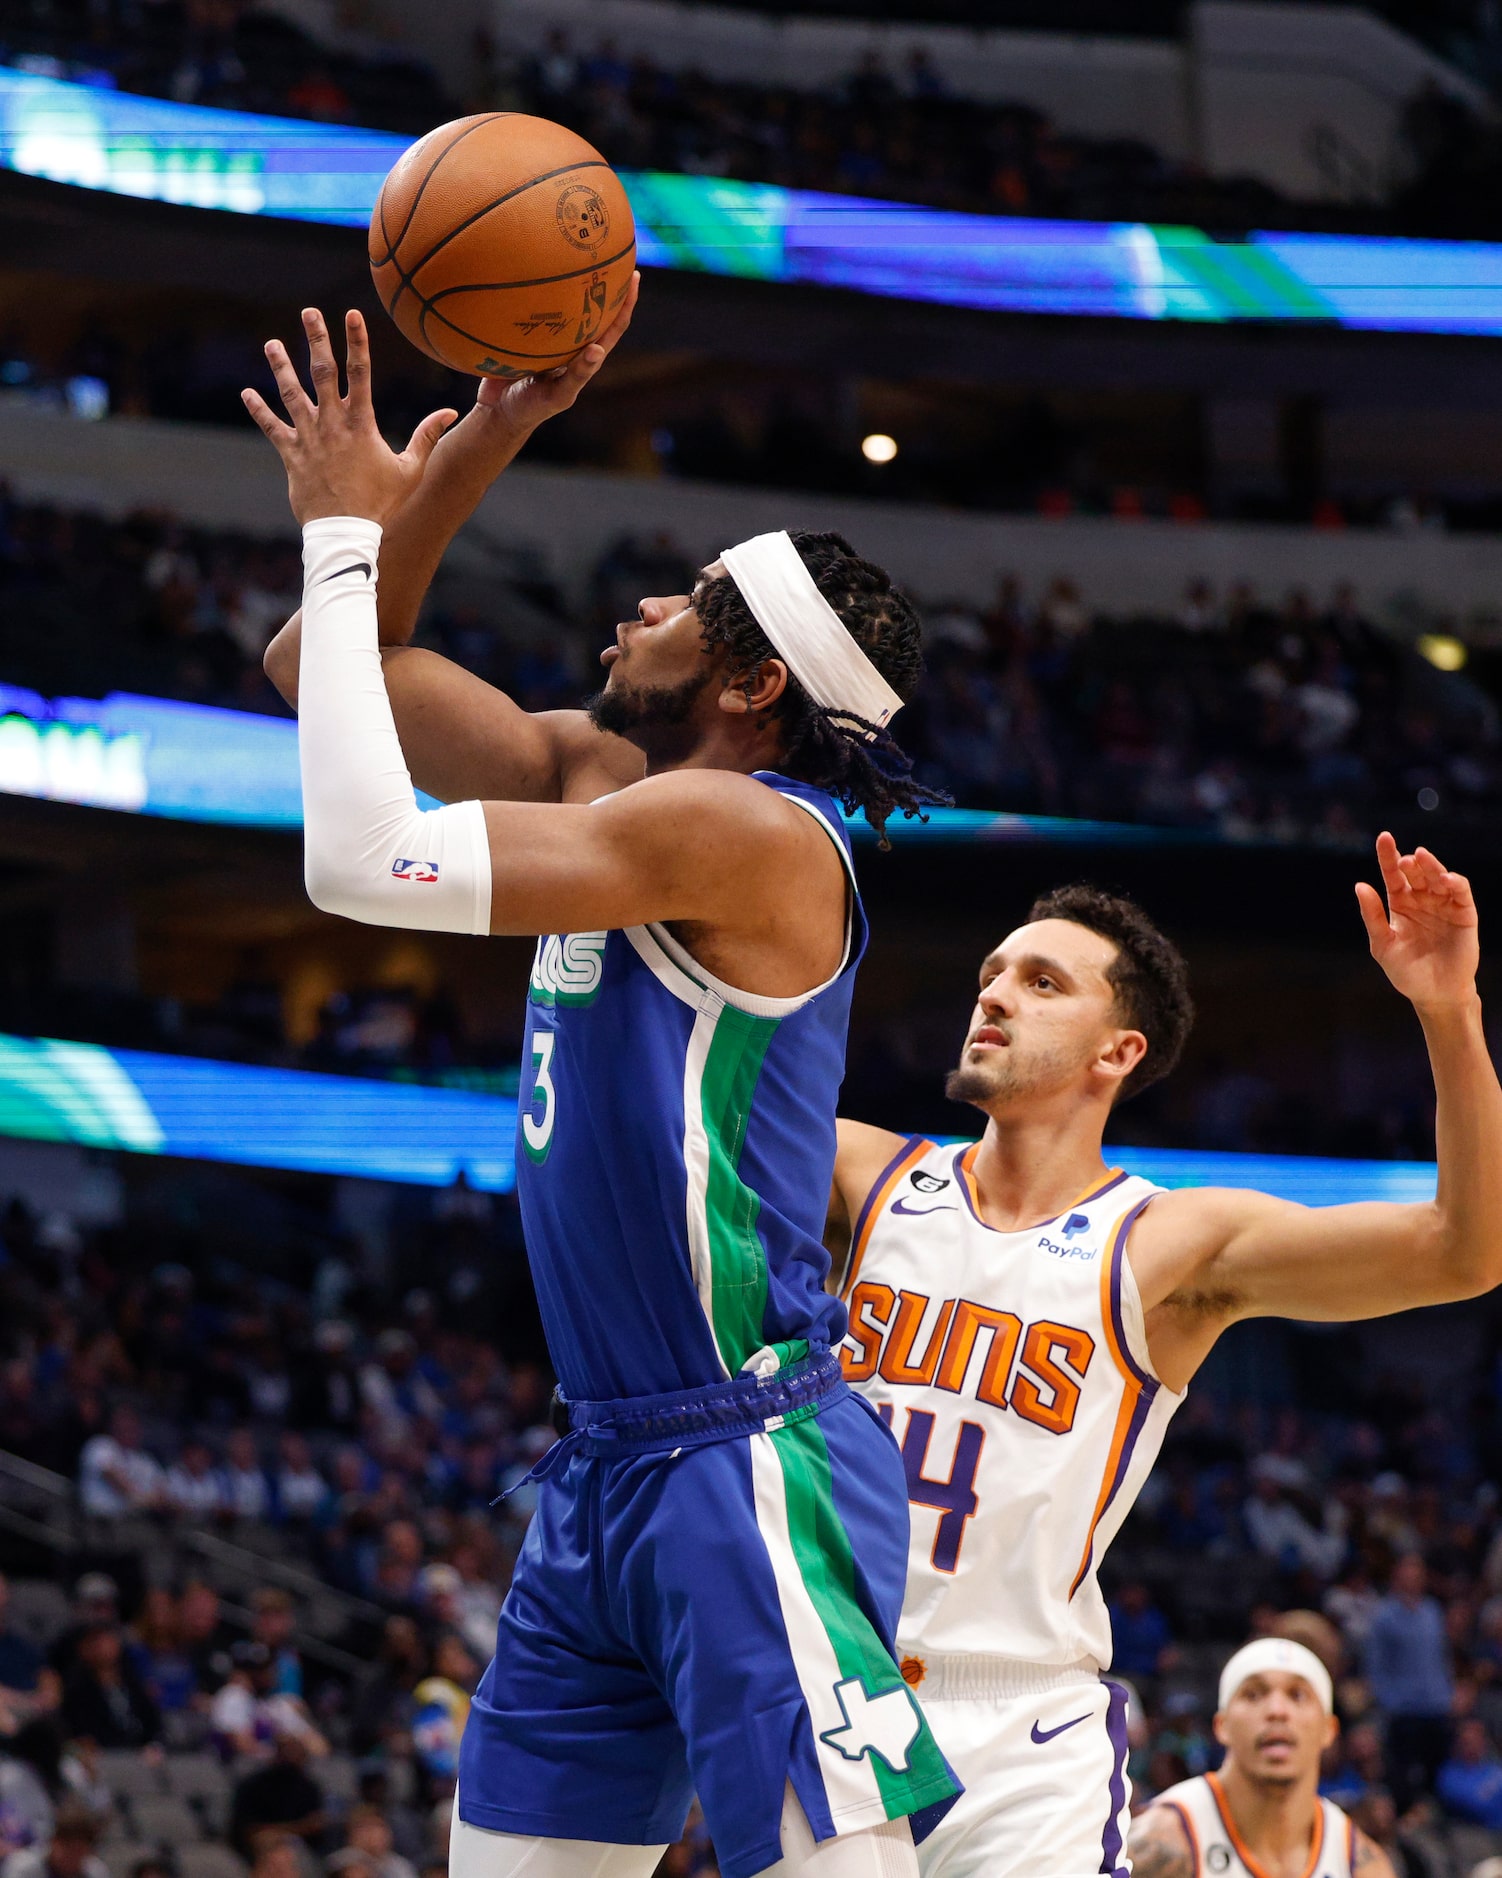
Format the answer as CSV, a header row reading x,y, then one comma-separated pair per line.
x,y
192,1774
124,1771
164,1819
39,1609
208,1861
339,1776
120,1855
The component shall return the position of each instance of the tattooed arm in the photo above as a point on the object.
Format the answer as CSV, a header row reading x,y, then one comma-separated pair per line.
x,y
1369,1860
1159,1847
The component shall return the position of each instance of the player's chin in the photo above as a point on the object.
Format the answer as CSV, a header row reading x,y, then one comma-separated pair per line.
x,y
976,1080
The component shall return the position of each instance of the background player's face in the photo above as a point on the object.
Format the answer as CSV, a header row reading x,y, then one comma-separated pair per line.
x,y
1274,1729
1045,1015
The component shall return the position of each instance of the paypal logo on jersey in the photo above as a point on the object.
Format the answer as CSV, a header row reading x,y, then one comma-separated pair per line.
x,y
568,968
1073,1227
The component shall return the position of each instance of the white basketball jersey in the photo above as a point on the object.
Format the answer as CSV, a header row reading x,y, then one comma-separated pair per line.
x,y
1220,1852
1013,1369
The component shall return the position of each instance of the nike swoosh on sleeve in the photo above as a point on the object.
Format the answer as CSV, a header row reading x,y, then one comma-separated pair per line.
x,y
355,567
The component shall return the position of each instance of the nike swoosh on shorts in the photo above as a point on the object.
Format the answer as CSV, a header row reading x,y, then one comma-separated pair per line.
x,y
355,567
1048,1734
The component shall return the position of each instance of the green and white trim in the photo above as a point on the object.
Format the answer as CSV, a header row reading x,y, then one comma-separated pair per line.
x,y
832,1642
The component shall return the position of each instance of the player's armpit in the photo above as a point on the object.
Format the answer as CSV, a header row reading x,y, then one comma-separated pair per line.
x,y
1158,1845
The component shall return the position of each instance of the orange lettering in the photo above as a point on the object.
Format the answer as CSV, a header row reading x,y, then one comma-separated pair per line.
x,y
969,1321
1057,1413
896,1361
867,1298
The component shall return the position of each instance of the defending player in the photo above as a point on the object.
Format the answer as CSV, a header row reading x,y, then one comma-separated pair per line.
x,y
1260,1815
707,1594
1028,1319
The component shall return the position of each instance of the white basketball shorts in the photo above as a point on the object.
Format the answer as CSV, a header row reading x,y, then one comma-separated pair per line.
x,y
1043,1757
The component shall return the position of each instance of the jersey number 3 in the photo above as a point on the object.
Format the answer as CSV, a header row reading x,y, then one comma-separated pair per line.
x,y
954,1499
537,1130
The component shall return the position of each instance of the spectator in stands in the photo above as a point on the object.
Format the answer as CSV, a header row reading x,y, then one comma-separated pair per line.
x,y
204,1636
31,1784
370,1834
69,1853
96,1600
1469,1782
194,1488
1279,1519
273,1624
250,1718
1407,1665
1143,1641
282,1794
117,1476
244,1489
273,1854
21,1669
300,1492
104,1699
156,1649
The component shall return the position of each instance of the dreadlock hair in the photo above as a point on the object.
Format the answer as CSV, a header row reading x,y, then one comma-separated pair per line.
x,y
832,749
1148,974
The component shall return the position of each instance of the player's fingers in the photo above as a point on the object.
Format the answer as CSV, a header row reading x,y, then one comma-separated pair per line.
x,y
357,360
1373,914
1391,864
427,434
295,401
280,434
1432,870
321,363
622,320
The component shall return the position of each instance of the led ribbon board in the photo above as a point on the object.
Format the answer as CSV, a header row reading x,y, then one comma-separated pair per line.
x,y
197,763
206,1111
144,1103
212,159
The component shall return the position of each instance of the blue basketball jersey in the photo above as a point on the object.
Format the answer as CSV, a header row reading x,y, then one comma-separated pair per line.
x,y
675,1143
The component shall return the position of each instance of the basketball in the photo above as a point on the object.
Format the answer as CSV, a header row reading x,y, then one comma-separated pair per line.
x,y
502,244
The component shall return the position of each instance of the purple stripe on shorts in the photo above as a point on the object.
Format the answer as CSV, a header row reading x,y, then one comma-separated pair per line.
x,y
1118,1323
1111,1848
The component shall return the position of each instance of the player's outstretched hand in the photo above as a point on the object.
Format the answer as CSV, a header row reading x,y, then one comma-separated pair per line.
x,y
1425,938
530,401
337,462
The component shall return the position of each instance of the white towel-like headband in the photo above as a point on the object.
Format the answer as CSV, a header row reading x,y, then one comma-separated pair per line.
x,y
1278,1653
806,631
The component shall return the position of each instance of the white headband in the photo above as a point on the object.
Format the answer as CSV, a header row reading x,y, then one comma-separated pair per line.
x,y
806,631
1277,1653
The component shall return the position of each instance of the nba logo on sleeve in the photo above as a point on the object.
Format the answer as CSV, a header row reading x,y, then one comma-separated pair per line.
x,y
420,871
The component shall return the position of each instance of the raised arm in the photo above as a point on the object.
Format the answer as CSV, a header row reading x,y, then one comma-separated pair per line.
x,y
862,1153
461,736
691,845
1205,1258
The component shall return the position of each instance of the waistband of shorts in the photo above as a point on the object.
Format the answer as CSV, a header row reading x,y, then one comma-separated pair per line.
x,y
744,1405
961,1678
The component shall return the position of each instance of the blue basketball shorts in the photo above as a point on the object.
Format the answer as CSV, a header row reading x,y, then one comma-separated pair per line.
x,y
705,1602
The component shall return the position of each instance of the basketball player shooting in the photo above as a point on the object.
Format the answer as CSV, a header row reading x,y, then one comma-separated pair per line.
x,y
1028,1319
1260,1815
707,1595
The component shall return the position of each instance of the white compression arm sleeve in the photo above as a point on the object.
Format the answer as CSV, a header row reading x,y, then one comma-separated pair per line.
x,y
370,852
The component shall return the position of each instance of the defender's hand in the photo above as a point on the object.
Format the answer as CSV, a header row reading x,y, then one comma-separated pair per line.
x,y
337,462
530,401
1426,938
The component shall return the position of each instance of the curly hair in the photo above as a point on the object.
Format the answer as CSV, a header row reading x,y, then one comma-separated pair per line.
x,y
1148,974
836,750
